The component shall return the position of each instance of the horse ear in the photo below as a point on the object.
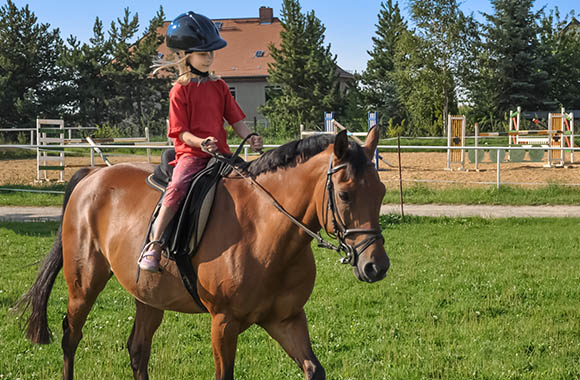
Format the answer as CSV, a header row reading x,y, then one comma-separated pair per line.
x,y
340,145
371,142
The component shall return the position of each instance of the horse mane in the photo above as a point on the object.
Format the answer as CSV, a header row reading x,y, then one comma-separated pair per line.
x,y
299,151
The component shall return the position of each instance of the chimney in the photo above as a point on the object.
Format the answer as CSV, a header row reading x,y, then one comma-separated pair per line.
x,y
266,15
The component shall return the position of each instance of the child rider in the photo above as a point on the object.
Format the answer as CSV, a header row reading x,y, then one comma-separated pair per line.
x,y
198,104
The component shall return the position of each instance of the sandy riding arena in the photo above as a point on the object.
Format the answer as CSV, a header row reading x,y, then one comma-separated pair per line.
x,y
431,167
415,166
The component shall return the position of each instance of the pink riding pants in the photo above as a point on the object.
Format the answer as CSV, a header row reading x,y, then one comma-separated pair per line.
x,y
185,169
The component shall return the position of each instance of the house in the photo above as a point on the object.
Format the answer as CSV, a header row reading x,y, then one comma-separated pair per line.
x,y
243,63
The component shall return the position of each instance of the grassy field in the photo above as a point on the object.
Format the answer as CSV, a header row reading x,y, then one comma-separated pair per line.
x,y
505,195
417,194
464,299
10,195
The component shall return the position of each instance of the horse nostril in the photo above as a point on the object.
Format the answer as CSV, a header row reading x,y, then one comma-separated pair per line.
x,y
370,270
373,272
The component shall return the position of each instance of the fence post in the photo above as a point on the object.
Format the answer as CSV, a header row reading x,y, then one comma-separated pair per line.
x,y
373,120
498,168
148,141
476,125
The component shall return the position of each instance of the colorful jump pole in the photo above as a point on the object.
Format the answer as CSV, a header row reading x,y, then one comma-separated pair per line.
x,y
328,125
374,120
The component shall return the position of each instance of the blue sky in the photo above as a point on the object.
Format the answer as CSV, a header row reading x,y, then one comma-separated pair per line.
x,y
350,25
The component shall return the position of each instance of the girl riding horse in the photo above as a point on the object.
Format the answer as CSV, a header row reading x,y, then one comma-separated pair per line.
x,y
198,104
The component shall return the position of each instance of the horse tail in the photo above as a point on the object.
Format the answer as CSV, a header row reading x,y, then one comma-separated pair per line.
x,y
37,330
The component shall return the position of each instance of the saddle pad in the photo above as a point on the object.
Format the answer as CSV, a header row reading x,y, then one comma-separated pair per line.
x,y
204,209
185,232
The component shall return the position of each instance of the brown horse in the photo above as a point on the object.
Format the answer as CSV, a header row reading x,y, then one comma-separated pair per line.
x,y
254,265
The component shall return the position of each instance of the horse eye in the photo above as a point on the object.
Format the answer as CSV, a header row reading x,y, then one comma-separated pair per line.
x,y
343,195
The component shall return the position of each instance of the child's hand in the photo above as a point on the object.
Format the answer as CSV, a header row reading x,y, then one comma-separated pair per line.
x,y
209,145
256,143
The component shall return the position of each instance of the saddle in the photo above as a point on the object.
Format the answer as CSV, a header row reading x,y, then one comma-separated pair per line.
x,y
182,237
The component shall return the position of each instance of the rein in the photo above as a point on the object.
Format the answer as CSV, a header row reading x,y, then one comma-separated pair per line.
x,y
341,233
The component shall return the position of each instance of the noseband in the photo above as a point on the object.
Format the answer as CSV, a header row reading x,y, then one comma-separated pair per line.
x,y
341,232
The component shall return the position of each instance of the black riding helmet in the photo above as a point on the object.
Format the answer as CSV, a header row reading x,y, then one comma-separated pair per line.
x,y
193,32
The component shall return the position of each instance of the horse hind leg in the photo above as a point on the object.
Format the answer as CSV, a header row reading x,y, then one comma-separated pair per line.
x,y
84,285
147,320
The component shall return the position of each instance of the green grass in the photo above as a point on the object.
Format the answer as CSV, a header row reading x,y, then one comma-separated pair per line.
x,y
417,194
10,197
464,299
505,195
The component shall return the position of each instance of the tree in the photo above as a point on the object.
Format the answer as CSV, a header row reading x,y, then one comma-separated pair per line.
x,y
88,86
141,100
30,80
303,68
418,86
560,44
109,79
512,65
379,91
445,33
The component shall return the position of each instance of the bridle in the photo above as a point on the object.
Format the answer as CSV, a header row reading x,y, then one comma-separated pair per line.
x,y
340,231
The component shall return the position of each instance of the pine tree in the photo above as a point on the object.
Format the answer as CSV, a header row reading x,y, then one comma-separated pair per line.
x,y
304,69
560,44
379,90
30,80
88,86
109,78
513,60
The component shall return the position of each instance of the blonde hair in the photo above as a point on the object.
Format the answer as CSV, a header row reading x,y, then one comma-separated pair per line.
x,y
184,73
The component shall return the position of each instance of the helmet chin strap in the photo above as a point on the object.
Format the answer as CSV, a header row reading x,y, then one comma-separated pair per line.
x,y
196,71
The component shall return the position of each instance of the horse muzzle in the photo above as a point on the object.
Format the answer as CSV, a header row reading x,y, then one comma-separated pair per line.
x,y
372,265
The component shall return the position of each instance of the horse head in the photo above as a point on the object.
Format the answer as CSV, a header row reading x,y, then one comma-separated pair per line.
x,y
351,206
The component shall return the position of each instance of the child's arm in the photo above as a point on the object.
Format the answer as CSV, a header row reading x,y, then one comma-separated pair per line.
x,y
242,130
196,142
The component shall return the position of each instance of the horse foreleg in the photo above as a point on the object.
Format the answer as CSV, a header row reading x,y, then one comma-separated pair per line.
x,y
292,334
224,339
147,320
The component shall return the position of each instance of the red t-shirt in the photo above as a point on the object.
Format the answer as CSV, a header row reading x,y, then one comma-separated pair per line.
x,y
200,108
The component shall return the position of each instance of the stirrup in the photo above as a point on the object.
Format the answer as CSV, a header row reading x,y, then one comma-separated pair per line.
x,y
147,264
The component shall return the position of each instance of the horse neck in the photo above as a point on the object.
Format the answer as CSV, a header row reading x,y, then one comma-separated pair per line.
x,y
299,189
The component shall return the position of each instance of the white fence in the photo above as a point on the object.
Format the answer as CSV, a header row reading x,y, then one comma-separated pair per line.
x,y
498,151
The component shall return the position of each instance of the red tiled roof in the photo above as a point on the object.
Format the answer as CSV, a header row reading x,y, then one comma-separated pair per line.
x,y
245,36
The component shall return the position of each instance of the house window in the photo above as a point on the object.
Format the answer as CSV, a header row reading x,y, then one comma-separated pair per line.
x,y
233,92
259,54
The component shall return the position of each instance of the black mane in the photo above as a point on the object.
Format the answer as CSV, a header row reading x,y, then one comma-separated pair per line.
x,y
299,151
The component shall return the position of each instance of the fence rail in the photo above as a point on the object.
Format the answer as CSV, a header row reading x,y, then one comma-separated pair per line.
x,y
498,149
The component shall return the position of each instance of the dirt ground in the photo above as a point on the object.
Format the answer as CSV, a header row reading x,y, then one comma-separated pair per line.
x,y
415,166
431,168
